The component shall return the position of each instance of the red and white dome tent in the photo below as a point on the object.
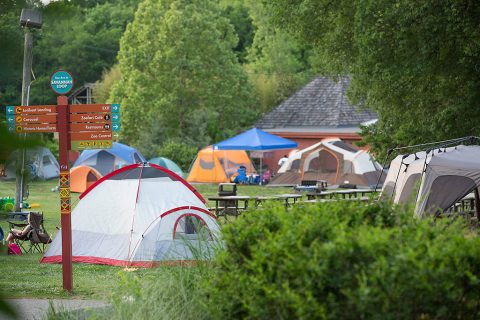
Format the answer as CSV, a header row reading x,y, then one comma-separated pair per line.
x,y
139,215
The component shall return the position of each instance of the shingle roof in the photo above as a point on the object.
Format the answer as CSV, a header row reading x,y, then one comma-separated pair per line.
x,y
321,103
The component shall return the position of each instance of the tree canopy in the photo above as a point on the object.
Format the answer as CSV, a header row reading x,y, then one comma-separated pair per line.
x,y
180,77
415,63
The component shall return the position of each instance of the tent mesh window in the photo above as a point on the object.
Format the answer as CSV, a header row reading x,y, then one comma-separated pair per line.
x,y
46,160
441,196
137,158
295,166
388,190
192,228
328,163
347,167
412,184
207,165
345,146
91,177
313,165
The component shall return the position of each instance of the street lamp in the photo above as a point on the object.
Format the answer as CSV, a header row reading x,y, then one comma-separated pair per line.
x,y
29,18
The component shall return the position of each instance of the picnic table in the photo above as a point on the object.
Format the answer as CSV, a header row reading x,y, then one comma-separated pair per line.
x,y
288,199
344,194
362,199
233,205
311,185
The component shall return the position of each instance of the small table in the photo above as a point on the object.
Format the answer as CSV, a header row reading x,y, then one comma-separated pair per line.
x,y
226,204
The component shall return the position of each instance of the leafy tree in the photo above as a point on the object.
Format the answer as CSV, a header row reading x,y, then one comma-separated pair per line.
x,y
11,51
83,41
181,153
180,77
278,65
238,14
104,86
415,63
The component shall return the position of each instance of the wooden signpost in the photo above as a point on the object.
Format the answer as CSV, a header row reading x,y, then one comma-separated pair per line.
x,y
80,127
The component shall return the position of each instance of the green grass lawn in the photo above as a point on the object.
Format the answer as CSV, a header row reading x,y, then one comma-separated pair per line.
x,y
25,277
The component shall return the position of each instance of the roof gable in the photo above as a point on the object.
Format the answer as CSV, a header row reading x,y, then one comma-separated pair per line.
x,y
321,103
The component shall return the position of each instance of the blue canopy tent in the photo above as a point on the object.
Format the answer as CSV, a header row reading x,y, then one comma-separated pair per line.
x,y
108,160
255,140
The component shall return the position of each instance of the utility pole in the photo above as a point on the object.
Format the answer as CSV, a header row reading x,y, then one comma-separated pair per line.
x,y
30,18
27,77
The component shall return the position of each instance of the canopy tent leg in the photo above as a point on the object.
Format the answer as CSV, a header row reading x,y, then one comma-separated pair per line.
x,y
477,204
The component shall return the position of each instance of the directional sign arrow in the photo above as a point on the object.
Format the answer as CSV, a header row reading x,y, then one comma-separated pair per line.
x,y
115,108
11,128
10,119
10,110
115,126
86,108
115,117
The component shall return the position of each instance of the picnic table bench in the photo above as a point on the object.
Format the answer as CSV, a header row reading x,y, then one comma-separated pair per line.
x,y
344,194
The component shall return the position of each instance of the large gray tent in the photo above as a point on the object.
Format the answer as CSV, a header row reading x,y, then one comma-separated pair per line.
x,y
436,180
40,163
448,178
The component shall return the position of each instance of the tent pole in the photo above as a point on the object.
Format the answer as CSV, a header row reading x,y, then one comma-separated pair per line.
x,y
477,204
261,160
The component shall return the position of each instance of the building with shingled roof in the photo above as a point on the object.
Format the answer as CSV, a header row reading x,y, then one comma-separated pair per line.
x,y
319,110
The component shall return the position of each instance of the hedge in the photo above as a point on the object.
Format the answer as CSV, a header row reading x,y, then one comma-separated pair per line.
x,y
344,261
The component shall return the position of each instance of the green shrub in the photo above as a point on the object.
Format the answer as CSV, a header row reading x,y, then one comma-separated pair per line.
x,y
344,261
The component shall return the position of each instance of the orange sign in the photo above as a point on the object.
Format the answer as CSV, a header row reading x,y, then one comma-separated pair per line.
x,y
84,108
78,127
99,135
51,118
31,127
35,109
90,117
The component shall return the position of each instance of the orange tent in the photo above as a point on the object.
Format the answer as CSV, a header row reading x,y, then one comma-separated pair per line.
x,y
82,177
216,166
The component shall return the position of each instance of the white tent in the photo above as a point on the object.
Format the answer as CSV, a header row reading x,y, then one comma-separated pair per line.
x,y
137,216
332,160
405,174
40,163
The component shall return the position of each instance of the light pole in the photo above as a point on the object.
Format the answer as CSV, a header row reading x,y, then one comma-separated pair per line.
x,y
30,18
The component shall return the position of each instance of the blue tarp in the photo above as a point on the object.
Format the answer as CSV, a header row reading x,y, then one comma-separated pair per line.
x,y
255,139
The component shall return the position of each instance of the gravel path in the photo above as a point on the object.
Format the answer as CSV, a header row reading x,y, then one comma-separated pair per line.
x,y
37,308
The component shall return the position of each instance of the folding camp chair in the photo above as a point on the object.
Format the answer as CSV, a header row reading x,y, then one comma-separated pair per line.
x,y
37,236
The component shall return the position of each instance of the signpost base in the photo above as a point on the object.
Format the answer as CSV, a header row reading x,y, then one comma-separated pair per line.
x,y
67,253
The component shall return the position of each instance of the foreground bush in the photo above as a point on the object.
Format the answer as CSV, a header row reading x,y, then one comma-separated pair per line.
x,y
344,261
